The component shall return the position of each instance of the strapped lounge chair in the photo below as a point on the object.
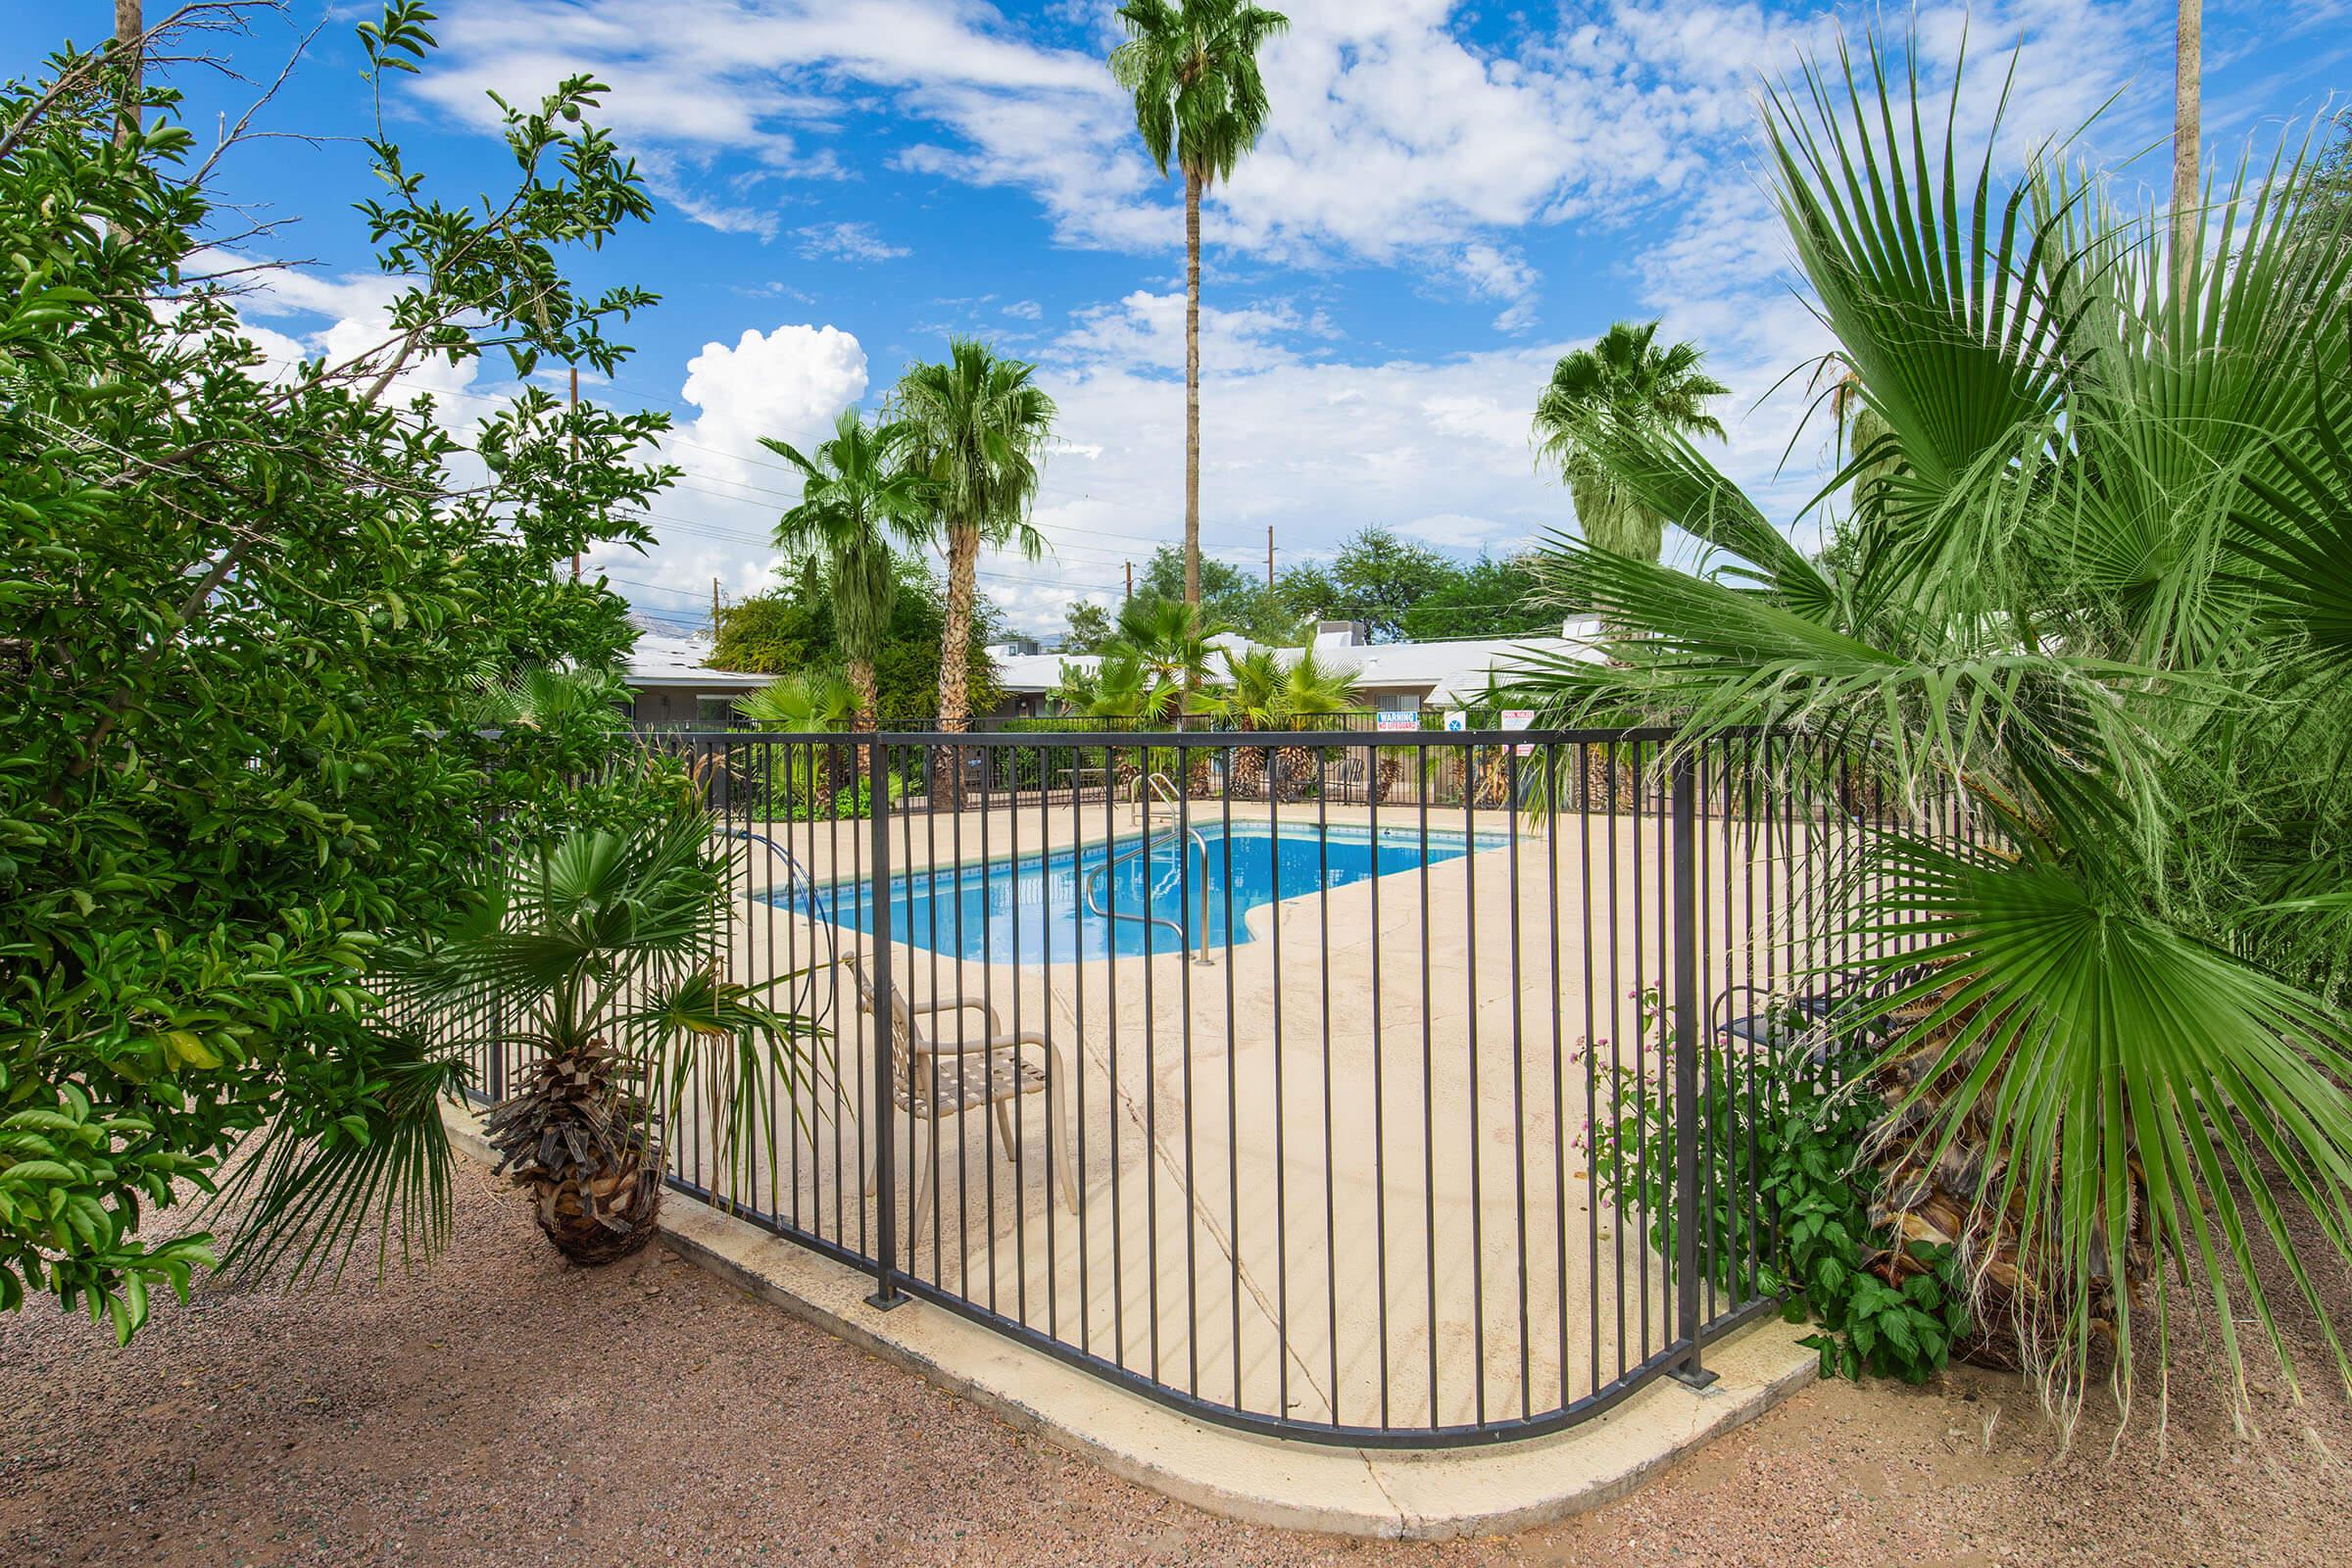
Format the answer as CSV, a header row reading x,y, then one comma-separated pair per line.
x,y
932,1079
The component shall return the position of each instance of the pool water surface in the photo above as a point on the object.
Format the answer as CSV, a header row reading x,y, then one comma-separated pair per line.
x,y
1064,905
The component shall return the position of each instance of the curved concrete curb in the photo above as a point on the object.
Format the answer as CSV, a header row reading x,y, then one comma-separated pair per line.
x,y
1297,1486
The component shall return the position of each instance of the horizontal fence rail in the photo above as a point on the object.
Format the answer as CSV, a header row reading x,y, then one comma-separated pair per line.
x,y
1285,1077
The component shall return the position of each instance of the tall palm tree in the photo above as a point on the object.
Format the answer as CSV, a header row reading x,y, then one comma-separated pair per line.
x,y
979,425
857,496
1191,68
1624,377
2098,603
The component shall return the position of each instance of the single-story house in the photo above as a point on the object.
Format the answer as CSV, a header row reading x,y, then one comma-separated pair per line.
x,y
671,687
1391,677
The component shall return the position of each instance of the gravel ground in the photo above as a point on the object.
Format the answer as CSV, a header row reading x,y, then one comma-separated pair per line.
x,y
502,1408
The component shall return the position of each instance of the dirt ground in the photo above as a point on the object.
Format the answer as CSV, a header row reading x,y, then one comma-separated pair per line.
x,y
502,1408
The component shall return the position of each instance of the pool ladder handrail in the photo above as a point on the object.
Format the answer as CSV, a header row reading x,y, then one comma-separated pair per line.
x,y
798,875
1090,883
1152,786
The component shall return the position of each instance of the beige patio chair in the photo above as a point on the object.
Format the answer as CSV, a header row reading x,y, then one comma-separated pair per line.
x,y
934,1079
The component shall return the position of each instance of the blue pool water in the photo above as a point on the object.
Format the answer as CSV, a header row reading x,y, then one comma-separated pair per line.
x,y
1034,909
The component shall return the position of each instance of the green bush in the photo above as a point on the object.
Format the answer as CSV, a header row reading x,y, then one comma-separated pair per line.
x,y
1784,1198
244,612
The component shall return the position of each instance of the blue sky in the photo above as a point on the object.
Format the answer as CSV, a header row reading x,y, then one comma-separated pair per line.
x,y
1446,198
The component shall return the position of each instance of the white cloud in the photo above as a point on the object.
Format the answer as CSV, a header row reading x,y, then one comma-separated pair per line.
x,y
1146,331
787,383
1393,142
1391,137
846,242
715,523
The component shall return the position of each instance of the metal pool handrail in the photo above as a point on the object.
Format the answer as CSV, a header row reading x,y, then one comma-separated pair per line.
x,y
798,875
1088,886
1156,785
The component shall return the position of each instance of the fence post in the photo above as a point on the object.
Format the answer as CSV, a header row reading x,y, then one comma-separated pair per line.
x,y
1687,1211
886,1178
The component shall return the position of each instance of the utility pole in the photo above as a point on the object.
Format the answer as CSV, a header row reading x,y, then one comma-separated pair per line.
x,y
1131,579
715,607
130,36
576,450
1269,558
2188,40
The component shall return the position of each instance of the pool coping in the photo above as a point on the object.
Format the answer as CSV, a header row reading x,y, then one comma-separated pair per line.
x,y
1300,1485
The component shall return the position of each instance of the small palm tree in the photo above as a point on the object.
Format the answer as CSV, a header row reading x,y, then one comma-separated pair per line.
x,y
857,496
2092,602
603,952
1169,639
1262,691
810,703
1310,690
1623,378
1193,69
978,424
539,696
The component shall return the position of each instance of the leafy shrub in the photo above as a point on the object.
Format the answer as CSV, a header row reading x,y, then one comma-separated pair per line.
x,y
244,612
1784,1196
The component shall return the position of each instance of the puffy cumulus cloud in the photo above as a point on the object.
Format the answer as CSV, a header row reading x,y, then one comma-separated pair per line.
x,y
787,383
1316,450
716,525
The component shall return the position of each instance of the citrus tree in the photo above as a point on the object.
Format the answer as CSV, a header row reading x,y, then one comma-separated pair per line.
x,y
247,614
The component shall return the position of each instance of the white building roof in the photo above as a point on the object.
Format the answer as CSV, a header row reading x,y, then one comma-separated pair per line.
x,y
1455,670
1027,673
659,660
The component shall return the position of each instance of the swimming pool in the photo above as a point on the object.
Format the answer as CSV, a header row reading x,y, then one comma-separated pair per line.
x,y
1036,908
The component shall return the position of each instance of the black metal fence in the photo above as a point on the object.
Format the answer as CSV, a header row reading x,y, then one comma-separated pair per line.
x,y
1261,1073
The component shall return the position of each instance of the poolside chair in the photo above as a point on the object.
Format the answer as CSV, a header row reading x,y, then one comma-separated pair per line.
x,y
1809,1019
932,1079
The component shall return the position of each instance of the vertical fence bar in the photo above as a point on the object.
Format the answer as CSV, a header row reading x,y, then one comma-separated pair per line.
x,y
886,1180
1687,1289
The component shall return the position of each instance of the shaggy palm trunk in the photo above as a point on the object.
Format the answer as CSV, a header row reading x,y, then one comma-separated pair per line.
x,y
1495,778
1294,767
577,1146
870,704
1248,764
955,660
2020,1302
1192,387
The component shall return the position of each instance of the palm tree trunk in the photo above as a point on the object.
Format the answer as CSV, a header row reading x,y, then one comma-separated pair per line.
x,y
954,656
1191,388
2187,137
862,682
